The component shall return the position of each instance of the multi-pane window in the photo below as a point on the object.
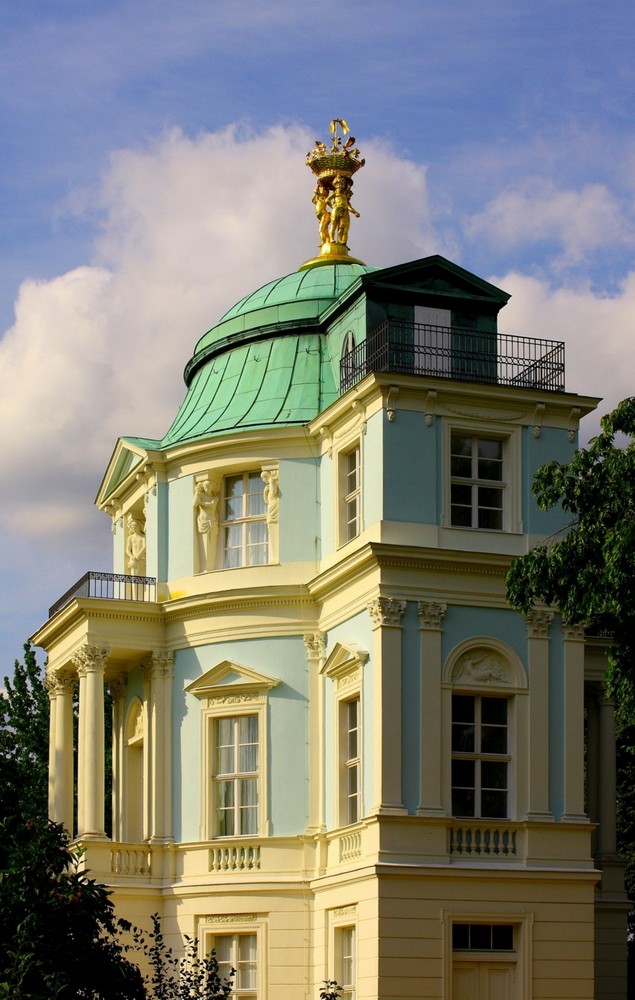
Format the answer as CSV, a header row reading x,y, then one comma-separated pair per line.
x,y
244,524
476,481
480,761
352,765
352,494
483,937
238,952
346,963
236,776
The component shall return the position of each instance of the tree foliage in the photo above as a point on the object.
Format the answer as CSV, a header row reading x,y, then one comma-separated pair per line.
x,y
59,937
186,978
24,738
588,572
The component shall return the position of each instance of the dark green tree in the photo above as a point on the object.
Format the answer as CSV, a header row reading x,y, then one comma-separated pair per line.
x,y
587,572
59,937
24,740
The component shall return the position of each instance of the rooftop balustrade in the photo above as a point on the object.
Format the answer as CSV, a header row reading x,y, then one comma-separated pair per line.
x,y
455,353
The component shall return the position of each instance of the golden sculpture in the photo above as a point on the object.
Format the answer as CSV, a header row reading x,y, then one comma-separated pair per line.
x,y
334,168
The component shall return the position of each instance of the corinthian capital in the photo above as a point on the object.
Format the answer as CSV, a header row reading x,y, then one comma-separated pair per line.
x,y
315,645
431,614
539,623
386,611
158,663
90,660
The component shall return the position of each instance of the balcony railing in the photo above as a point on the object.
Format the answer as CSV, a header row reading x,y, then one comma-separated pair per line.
x,y
454,353
109,586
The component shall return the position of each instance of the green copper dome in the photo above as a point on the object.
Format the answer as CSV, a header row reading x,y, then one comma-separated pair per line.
x,y
264,362
293,302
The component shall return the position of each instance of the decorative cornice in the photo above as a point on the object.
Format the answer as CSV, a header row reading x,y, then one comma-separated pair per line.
x,y
386,611
431,614
90,659
233,918
539,623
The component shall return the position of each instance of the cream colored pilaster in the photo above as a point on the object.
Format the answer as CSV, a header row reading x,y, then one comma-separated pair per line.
x,y
49,682
118,691
158,671
607,832
315,644
431,617
592,696
386,614
537,760
90,662
573,763
168,755
147,669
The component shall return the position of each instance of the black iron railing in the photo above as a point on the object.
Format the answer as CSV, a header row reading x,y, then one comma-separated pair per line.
x,y
109,586
468,355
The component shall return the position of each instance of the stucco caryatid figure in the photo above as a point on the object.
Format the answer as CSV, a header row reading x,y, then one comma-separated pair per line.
x,y
271,497
206,506
136,547
334,168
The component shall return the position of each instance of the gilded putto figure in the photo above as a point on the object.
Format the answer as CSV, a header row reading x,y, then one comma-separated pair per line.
x,y
334,167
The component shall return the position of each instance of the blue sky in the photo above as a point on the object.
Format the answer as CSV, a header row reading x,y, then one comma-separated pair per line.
x,y
153,173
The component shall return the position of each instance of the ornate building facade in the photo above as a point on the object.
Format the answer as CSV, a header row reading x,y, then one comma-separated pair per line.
x,y
337,752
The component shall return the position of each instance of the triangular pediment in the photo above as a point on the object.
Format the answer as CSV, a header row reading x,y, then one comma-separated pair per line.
x,y
229,677
344,658
125,458
437,276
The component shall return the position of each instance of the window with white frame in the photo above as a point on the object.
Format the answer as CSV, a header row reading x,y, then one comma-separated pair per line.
x,y
352,763
235,776
480,758
345,961
351,494
477,485
238,952
244,521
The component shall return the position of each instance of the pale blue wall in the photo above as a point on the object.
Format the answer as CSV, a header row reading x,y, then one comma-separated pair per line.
x,y
372,461
152,535
353,319
162,528
463,623
287,765
552,445
181,528
327,505
410,468
299,510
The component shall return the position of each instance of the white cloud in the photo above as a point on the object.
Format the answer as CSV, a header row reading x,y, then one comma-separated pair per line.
x,y
537,211
190,225
598,331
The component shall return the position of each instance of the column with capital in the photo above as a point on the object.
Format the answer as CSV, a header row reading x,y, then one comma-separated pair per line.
x,y
118,686
315,645
573,723
537,760
90,662
61,750
386,614
431,615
